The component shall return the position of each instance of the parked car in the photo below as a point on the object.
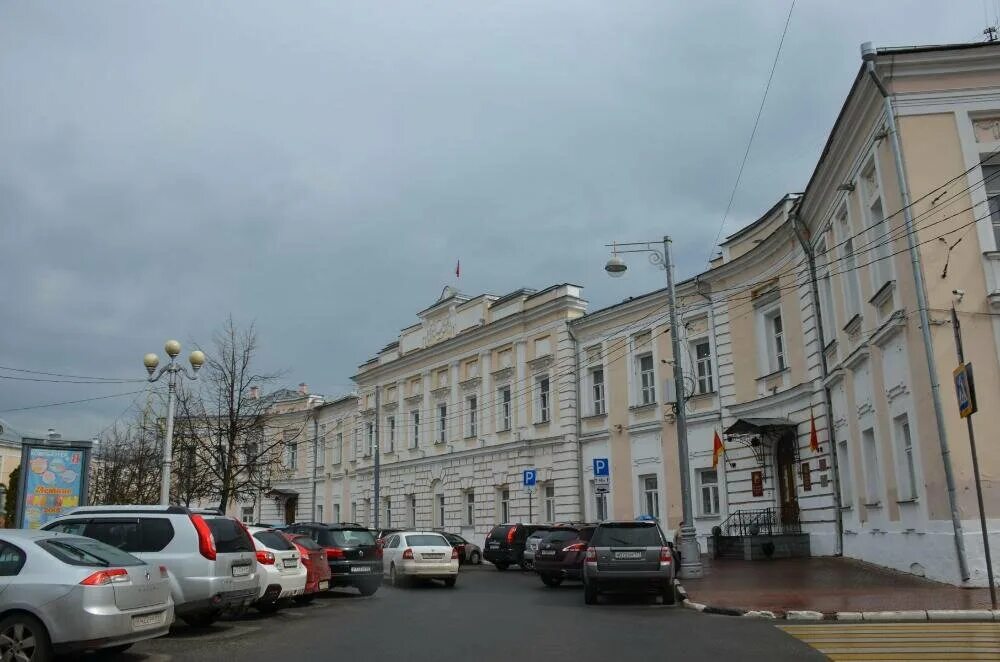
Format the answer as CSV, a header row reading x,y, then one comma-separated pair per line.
x,y
561,553
211,558
420,555
62,593
354,558
313,559
628,556
282,574
382,534
531,545
468,552
505,544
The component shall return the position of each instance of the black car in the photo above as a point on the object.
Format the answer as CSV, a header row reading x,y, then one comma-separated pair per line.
x,y
354,558
561,553
504,545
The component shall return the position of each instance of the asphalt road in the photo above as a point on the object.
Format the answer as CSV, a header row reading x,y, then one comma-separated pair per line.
x,y
487,616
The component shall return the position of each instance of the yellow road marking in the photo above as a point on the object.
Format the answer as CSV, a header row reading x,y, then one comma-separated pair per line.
x,y
901,641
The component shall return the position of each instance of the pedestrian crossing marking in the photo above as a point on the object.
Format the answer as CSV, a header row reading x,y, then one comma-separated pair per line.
x,y
901,641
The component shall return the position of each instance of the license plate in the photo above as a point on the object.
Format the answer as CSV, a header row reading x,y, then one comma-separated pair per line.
x,y
290,563
147,620
629,556
433,556
548,552
241,570
323,585
493,545
360,568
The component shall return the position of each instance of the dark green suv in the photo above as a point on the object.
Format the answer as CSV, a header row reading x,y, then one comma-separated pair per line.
x,y
632,557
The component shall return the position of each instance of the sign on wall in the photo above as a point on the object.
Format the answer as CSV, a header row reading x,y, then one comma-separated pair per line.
x,y
53,480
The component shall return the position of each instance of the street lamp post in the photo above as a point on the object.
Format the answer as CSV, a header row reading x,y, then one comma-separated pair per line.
x,y
174,371
690,552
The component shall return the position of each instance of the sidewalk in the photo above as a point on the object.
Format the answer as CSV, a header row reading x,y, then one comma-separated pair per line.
x,y
824,585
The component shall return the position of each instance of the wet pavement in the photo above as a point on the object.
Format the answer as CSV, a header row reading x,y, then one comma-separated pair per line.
x,y
823,584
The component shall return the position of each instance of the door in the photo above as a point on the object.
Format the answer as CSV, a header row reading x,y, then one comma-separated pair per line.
x,y
784,456
291,505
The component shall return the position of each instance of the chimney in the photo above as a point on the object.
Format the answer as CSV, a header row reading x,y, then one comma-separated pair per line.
x,y
303,389
255,393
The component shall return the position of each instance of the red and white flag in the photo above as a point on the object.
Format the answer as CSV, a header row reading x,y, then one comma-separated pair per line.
x,y
717,449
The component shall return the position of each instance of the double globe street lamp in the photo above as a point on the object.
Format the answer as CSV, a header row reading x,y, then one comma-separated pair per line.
x,y
174,371
616,267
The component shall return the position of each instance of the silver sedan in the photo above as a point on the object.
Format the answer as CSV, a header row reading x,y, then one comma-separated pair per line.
x,y
62,593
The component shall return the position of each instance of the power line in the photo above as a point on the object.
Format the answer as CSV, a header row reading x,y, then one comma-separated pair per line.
x,y
68,381
58,374
70,402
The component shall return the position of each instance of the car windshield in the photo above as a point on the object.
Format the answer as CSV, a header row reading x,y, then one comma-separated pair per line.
x,y
499,533
349,538
307,543
84,551
273,540
541,533
631,535
426,541
456,540
230,536
561,535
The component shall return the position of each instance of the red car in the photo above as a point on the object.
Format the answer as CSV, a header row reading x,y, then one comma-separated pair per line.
x,y
317,568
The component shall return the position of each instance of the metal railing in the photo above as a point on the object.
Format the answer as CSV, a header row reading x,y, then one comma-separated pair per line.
x,y
761,522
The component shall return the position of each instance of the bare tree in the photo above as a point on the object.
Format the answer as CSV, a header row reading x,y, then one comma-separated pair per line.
x,y
126,463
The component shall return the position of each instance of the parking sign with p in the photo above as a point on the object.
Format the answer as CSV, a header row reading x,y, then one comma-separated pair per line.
x,y
530,477
601,466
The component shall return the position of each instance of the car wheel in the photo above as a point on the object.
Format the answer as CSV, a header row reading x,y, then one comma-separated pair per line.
x,y
23,637
394,579
304,599
368,589
201,619
450,582
268,607
475,559
551,581
668,594
590,593
501,566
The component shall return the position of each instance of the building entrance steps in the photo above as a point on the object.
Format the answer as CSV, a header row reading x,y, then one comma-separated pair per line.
x,y
823,584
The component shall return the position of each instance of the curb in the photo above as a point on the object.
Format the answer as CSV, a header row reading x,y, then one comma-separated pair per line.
x,y
936,615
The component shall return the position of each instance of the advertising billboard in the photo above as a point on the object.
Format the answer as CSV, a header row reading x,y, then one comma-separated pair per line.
x,y
53,480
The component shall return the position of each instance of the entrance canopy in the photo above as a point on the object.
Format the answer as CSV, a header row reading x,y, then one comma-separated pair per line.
x,y
758,426
281,493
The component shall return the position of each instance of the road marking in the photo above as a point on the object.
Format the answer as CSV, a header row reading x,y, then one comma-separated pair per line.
x,y
901,641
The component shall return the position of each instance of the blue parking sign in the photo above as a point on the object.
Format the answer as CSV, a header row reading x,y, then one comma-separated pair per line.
x,y
601,466
530,476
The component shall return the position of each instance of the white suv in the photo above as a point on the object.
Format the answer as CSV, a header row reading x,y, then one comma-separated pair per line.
x,y
210,557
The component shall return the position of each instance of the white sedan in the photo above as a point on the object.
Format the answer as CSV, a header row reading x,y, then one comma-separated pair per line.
x,y
419,554
282,573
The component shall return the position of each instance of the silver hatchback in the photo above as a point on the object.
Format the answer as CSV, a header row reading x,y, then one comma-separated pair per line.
x,y
630,556
62,593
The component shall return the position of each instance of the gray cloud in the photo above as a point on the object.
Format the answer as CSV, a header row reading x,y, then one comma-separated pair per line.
x,y
319,167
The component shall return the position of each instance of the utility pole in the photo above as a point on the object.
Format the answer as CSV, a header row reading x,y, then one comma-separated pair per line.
x,y
315,460
967,415
378,453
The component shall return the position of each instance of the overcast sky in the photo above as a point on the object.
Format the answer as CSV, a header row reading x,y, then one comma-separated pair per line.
x,y
319,167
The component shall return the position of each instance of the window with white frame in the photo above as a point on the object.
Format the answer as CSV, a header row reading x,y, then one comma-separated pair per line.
x,y
906,468
504,408
549,497
390,432
849,269
647,379
338,448
354,511
319,512
650,495
846,478
597,398
774,338
388,511
991,180
336,512
873,483
503,505
542,409
470,508
321,448
703,366
415,425
880,244
369,437
600,503
413,510
246,514
825,287
357,444
471,416
708,485
292,455
442,423
439,514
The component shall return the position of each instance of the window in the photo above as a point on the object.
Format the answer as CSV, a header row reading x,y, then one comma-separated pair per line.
x,y
881,245
991,177
542,347
600,503
321,447
442,427
503,411
336,512
825,293
470,508
650,495
292,455
904,458
543,400
471,416
708,481
647,380
354,511
390,425
246,514
11,560
844,468
319,512
597,391
413,510
388,511
504,505
849,270
872,486
338,448
703,366
369,437
439,513
357,444
550,503
415,419
230,536
774,336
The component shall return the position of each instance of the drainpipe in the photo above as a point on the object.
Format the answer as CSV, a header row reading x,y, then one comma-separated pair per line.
x,y
803,236
868,55
581,492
